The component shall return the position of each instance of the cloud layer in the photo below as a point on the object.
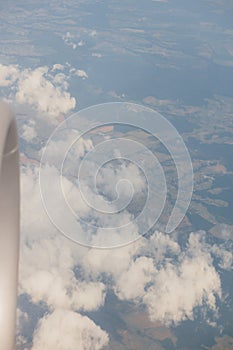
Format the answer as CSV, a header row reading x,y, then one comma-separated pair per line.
x,y
75,331
171,280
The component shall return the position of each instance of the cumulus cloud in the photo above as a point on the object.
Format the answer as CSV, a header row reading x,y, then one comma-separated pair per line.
x,y
43,88
81,43
177,291
169,279
155,265
107,181
34,221
62,146
110,176
21,343
69,40
82,74
225,256
132,282
8,74
170,288
68,330
226,231
110,262
58,66
29,131
179,288
35,88
58,287
161,246
47,274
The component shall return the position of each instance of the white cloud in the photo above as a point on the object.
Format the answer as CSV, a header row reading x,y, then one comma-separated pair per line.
x,y
226,231
62,146
162,246
112,262
29,132
69,35
58,66
132,282
63,330
61,79
179,288
21,343
35,89
68,39
40,88
48,260
81,43
50,278
93,33
225,256
34,221
8,74
81,73
170,280
109,177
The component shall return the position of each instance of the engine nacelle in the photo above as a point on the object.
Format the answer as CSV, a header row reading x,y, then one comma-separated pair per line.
x,y
9,225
